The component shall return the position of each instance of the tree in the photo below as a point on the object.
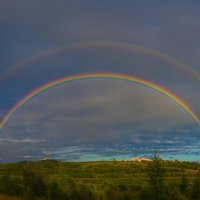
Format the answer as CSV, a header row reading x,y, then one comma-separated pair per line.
x,y
156,177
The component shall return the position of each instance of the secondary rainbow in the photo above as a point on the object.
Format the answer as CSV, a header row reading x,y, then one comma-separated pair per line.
x,y
97,45
117,76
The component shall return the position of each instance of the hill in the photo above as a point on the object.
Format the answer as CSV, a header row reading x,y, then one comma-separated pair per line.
x,y
49,179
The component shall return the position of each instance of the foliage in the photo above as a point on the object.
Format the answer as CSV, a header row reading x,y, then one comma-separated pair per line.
x,y
12,185
195,193
119,180
156,177
34,180
184,184
173,191
84,191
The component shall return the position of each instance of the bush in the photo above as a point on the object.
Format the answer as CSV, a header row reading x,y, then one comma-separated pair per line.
x,y
173,191
68,189
109,189
122,187
196,188
84,191
12,186
54,190
34,181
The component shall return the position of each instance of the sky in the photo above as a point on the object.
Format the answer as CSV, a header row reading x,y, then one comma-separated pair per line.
x,y
99,118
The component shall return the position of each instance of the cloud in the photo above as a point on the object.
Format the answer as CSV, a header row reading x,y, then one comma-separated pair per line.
x,y
104,118
10,140
86,105
97,112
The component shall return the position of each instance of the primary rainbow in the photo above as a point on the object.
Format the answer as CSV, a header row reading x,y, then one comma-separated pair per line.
x,y
118,76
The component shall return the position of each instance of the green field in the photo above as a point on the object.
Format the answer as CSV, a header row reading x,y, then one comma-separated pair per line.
x,y
102,180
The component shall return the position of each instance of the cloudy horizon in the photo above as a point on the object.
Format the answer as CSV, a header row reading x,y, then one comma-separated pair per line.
x,y
100,118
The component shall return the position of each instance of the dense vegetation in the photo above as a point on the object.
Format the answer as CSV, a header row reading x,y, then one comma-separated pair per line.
x,y
117,180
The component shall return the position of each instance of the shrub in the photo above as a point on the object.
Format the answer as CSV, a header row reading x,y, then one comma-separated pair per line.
x,y
34,181
54,190
84,191
12,186
196,188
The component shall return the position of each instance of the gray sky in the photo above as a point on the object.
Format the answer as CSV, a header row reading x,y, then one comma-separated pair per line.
x,y
98,119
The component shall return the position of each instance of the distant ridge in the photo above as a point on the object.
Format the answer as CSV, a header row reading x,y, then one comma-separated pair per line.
x,y
141,159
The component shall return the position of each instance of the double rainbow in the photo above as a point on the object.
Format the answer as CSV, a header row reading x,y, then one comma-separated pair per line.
x,y
117,76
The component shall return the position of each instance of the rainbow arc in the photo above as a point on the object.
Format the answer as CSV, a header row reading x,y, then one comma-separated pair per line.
x,y
117,76
98,45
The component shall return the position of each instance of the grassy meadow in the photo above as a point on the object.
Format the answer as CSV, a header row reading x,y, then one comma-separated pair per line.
x,y
100,180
